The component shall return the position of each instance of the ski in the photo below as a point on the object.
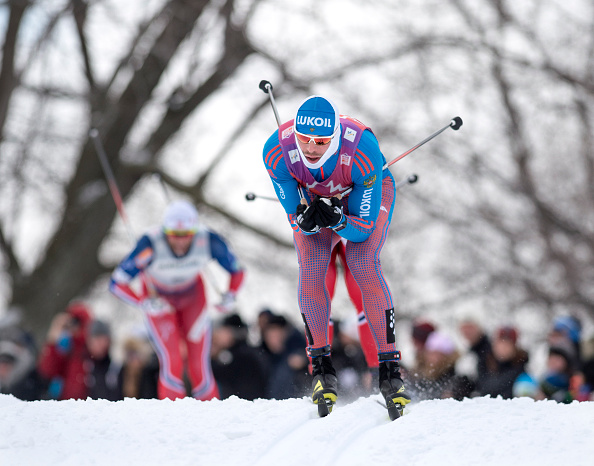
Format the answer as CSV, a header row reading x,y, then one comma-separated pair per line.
x,y
395,410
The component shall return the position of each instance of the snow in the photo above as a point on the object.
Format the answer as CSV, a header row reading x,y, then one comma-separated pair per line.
x,y
480,431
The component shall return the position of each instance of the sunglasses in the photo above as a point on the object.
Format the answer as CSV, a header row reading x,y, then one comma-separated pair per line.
x,y
318,141
180,233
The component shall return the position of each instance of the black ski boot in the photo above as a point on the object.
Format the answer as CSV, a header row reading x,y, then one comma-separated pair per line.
x,y
324,382
392,387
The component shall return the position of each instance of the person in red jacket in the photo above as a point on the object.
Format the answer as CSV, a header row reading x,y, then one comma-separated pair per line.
x,y
63,356
75,358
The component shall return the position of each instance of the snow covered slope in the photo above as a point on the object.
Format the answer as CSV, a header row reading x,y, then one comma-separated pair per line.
x,y
267,432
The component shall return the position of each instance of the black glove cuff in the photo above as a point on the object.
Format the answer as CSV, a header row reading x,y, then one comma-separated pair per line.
x,y
341,226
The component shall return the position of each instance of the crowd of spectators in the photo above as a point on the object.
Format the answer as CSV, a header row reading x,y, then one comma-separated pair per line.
x,y
268,360
500,367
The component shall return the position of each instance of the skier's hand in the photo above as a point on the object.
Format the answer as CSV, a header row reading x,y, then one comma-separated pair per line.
x,y
328,212
156,306
305,218
227,303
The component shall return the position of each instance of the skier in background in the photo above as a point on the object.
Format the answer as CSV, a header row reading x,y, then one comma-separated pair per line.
x,y
365,337
317,156
173,298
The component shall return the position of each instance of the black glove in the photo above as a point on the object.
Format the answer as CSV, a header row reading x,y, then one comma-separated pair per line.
x,y
328,212
305,218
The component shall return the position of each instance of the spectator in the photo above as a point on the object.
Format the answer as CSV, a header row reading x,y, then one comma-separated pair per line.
x,y
438,378
349,360
263,318
75,358
479,345
283,345
63,357
139,375
504,366
239,369
101,374
560,367
525,386
588,367
420,332
18,374
567,328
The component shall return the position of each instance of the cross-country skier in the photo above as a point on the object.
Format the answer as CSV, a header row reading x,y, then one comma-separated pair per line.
x,y
172,259
317,156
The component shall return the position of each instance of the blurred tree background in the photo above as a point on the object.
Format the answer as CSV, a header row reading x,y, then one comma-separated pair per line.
x,y
501,223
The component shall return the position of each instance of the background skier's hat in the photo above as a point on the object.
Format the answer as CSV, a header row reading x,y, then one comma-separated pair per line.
x,y
180,216
317,116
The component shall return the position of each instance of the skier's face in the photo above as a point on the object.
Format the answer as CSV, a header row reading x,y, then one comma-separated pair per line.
x,y
180,244
312,151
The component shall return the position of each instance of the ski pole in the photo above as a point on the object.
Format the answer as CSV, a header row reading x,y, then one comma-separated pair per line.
x,y
117,198
252,196
111,182
455,124
410,179
267,89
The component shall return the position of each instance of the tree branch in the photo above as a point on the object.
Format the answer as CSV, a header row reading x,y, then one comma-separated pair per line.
x,y
8,79
79,11
14,268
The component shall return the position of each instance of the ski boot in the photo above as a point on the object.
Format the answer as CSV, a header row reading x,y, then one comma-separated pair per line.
x,y
324,381
391,384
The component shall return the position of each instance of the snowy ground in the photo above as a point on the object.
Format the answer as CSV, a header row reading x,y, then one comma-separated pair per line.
x,y
267,432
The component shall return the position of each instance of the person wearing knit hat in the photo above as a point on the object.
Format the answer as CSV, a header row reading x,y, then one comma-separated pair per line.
x,y
525,386
63,355
562,357
238,367
99,328
75,358
561,366
507,333
437,377
505,363
170,261
18,375
438,342
328,173
478,343
421,330
567,328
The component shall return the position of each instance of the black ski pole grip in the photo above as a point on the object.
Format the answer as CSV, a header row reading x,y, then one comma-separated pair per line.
x,y
456,123
265,86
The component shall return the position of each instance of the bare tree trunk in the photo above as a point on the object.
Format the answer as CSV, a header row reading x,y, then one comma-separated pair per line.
x,y
70,264
8,80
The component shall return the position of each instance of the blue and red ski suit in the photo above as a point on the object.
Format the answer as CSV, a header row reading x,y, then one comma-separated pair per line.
x,y
357,164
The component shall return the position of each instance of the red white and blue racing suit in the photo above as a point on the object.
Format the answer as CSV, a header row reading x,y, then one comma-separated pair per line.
x,y
358,163
179,281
